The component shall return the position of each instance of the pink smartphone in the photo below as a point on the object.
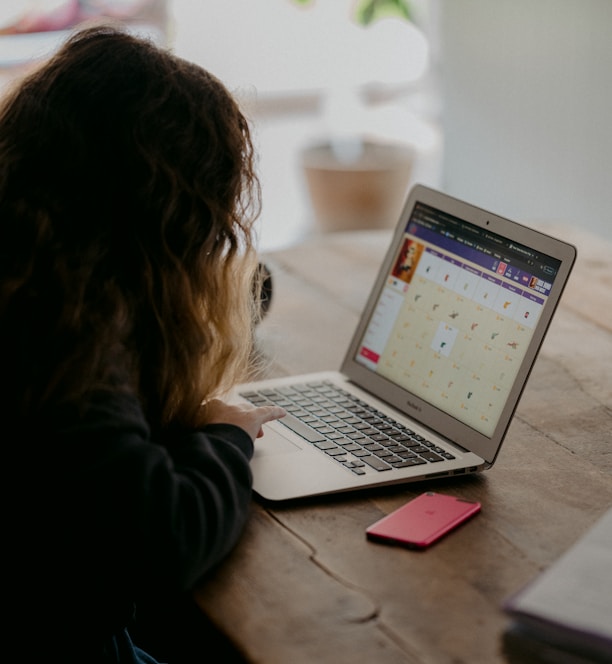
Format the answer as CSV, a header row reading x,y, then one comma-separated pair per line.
x,y
423,520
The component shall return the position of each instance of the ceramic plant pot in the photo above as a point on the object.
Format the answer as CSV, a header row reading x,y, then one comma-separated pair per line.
x,y
361,187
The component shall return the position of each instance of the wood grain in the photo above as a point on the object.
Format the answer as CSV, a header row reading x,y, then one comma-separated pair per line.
x,y
304,584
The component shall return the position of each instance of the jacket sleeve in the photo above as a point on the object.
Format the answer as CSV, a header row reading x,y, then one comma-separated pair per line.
x,y
152,513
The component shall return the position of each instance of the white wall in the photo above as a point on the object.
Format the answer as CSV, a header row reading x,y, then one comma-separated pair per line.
x,y
280,46
526,90
527,107
277,51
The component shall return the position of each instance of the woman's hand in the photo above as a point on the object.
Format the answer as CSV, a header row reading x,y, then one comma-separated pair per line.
x,y
247,417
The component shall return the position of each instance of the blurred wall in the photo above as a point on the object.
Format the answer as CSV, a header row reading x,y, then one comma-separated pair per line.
x,y
526,91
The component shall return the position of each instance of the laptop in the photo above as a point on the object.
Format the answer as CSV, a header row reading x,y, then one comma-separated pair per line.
x,y
436,365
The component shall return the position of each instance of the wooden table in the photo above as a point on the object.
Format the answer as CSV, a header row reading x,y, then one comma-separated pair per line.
x,y
304,585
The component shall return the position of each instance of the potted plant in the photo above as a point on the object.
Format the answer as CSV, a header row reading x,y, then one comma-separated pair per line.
x,y
367,11
354,181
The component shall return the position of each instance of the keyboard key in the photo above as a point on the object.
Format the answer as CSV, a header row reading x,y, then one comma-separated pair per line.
x,y
432,457
327,445
301,429
375,462
338,452
405,463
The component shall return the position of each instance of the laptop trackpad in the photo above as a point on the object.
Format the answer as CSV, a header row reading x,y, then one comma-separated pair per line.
x,y
273,443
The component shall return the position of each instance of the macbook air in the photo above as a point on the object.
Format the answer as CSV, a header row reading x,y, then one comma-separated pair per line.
x,y
436,365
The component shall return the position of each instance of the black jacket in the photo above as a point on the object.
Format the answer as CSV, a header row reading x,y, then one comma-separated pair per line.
x,y
98,513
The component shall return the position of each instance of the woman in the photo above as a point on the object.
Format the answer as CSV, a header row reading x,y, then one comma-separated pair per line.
x,y
127,202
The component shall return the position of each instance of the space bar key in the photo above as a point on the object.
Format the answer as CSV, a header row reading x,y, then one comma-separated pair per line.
x,y
301,429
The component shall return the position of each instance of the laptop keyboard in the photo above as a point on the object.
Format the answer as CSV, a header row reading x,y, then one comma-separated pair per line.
x,y
347,429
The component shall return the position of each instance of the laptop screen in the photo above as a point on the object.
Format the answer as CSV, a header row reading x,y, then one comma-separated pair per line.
x,y
456,314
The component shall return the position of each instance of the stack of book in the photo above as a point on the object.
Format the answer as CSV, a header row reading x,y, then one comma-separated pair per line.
x,y
565,614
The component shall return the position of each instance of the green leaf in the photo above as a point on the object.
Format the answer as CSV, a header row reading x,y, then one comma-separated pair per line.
x,y
369,11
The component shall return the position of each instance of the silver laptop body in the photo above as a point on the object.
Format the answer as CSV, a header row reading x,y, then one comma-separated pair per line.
x,y
444,347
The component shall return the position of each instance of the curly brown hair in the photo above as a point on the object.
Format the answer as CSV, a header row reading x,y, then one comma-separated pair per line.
x,y
128,195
